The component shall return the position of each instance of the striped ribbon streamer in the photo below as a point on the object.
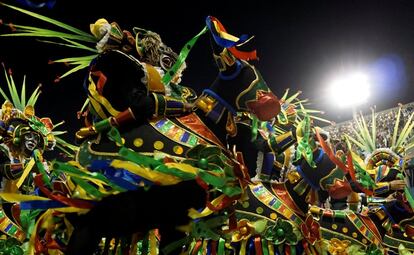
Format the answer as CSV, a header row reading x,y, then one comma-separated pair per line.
x,y
166,79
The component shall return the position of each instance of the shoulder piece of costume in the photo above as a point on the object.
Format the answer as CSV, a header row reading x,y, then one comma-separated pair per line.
x,y
152,77
105,94
183,92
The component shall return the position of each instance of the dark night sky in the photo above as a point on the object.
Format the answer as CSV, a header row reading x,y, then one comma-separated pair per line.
x,y
300,45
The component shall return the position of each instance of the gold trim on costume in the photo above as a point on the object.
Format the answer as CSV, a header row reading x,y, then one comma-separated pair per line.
x,y
97,107
207,104
285,213
376,241
332,172
154,79
399,241
291,199
115,154
101,99
156,105
153,122
253,214
250,86
322,229
409,219
218,142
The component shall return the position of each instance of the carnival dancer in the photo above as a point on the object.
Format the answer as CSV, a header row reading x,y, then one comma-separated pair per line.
x,y
24,138
124,81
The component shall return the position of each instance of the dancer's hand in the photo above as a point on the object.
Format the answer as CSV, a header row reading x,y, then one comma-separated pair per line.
x,y
189,107
397,185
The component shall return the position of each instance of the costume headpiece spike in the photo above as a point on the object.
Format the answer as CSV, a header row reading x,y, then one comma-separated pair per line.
x,y
373,127
365,138
67,36
16,107
396,126
18,101
408,127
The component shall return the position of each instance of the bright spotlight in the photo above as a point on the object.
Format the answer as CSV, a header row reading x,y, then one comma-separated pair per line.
x,y
350,90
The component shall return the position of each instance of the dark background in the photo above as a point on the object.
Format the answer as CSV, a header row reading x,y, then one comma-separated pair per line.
x,y
301,46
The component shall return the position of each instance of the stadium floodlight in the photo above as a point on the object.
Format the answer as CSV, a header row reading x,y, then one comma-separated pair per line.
x,y
350,90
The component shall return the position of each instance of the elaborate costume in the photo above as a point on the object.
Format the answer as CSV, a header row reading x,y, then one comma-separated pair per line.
x,y
133,91
145,160
24,138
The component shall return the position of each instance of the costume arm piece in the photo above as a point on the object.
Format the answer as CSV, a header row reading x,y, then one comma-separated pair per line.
x,y
128,86
168,107
10,171
164,107
381,188
278,144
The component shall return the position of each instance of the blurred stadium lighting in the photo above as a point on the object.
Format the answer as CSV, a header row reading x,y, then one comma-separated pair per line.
x,y
350,90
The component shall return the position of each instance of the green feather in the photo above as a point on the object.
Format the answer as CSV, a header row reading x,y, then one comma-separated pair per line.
x,y
59,132
405,131
285,94
320,119
302,101
396,126
18,99
33,97
75,69
58,124
36,97
291,98
51,21
312,111
77,59
361,139
85,104
406,127
373,127
363,129
360,145
409,146
3,94
406,134
60,147
72,44
62,142
23,92
348,143
46,33
14,94
71,38
367,134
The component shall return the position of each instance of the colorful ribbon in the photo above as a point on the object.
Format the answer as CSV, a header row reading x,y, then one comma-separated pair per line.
x,y
38,180
346,169
169,75
39,164
26,172
304,149
330,153
255,127
225,40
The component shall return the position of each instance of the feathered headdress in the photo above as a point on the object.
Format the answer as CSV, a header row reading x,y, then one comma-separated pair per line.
x,y
17,107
